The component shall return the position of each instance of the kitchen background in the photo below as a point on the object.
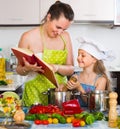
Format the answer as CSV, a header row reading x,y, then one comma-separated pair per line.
x,y
104,34
101,31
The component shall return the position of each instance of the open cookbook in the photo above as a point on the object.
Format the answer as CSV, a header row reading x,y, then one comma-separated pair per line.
x,y
32,58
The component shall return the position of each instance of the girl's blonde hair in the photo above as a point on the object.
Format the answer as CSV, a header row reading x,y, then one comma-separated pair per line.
x,y
99,68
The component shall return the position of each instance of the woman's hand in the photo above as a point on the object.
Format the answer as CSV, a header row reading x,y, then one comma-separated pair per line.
x,y
31,67
60,88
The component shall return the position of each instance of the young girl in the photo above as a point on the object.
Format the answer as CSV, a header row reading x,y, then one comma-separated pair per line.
x,y
94,75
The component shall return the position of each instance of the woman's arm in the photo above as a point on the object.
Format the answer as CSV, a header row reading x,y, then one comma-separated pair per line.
x,y
64,70
26,42
68,68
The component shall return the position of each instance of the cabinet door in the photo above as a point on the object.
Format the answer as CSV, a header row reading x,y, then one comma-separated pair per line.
x,y
18,12
86,10
44,6
95,10
117,12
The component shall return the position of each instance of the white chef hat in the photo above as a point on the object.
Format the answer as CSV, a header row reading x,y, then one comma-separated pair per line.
x,y
95,49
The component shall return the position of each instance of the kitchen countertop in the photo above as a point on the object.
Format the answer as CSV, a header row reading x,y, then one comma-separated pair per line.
x,y
110,69
96,125
10,87
17,82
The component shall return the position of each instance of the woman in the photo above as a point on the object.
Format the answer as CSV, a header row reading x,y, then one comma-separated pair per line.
x,y
53,44
94,76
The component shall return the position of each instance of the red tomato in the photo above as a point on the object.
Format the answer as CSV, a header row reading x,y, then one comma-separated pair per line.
x,y
76,123
38,122
45,122
75,120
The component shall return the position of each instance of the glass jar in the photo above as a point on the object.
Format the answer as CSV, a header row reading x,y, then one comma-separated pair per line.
x,y
2,65
9,77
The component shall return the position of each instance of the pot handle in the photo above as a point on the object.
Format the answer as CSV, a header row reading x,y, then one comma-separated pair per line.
x,y
77,93
74,92
85,95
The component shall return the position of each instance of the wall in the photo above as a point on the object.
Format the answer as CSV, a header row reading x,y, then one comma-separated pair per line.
x,y
9,37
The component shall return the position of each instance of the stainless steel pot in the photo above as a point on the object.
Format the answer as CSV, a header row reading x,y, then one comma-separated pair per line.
x,y
98,100
57,97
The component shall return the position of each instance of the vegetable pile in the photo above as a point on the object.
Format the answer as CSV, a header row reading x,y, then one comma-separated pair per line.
x,y
53,115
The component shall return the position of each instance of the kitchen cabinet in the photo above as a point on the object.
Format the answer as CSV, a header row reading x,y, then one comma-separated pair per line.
x,y
19,12
93,10
45,4
31,12
87,10
117,12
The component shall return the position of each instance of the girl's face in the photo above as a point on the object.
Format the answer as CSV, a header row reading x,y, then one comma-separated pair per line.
x,y
56,27
85,59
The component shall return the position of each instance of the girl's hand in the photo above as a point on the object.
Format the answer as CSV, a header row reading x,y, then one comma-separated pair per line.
x,y
73,83
32,67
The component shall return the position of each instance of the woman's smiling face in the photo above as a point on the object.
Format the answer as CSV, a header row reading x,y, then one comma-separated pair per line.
x,y
57,26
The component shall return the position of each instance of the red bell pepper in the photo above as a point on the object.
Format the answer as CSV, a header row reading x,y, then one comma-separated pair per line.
x,y
71,107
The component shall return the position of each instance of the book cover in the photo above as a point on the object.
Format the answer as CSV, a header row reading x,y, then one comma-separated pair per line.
x,y
26,53
32,59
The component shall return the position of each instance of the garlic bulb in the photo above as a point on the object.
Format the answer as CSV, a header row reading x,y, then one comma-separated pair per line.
x,y
19,116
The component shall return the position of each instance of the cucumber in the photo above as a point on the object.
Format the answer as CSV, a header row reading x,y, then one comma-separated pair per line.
x,y
61,119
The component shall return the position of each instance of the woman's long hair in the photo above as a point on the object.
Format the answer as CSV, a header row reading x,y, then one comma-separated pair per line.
x,y
59,8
